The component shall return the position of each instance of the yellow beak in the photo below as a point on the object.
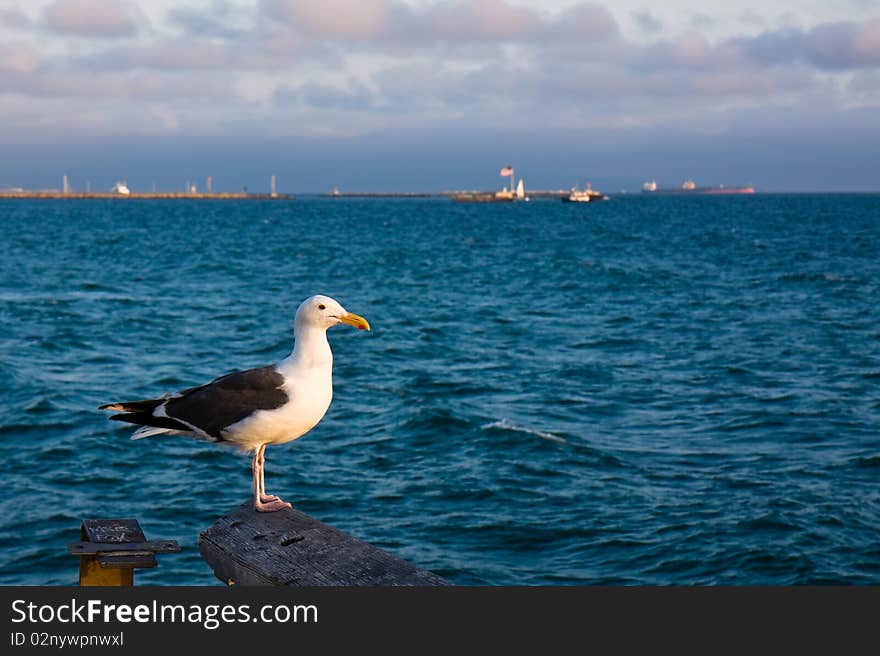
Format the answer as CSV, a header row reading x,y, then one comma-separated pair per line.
x,y
355,320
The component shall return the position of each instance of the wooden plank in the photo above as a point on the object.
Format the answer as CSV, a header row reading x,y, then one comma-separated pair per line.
x,y
290,548
122,548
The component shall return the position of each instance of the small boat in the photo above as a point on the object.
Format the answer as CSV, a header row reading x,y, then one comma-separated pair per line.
x,y
120,188
588,195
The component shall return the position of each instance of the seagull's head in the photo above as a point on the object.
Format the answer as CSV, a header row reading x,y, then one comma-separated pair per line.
x,y
325,312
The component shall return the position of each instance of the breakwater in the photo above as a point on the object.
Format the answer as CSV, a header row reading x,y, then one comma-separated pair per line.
x,y
559,193
60,195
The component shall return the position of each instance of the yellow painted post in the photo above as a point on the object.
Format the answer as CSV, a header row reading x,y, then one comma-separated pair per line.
x,y
91,573
111,549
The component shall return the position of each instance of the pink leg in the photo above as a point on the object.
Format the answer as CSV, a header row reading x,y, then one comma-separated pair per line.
x,y
262,501
265,498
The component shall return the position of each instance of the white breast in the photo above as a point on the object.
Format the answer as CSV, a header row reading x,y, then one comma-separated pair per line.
x,y
310,394
308,381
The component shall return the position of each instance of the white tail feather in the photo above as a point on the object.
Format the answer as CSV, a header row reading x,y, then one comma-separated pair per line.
x,y
149,431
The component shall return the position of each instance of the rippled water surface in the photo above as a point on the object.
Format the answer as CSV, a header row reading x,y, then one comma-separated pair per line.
x,y
648,390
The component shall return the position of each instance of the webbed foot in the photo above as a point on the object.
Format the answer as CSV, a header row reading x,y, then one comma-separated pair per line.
x,y
272,506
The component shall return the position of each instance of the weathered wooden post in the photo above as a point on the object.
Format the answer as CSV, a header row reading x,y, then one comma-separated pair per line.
x,y
288,547
111,549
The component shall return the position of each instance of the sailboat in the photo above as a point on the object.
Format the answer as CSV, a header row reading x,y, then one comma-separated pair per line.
x,y
521,191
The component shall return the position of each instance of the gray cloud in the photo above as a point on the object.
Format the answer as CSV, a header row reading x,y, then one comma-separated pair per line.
x,y
475,21
93,87
345,69
352,96
750,19
835,46
647,22
94,18
844,45
14,17
701,21
866,85
222,19
585,20
349,20
169,54
18,58
386,22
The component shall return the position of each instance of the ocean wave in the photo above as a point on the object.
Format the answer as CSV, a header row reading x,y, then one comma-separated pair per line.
x,y
819,276
866,462
504,425
768,522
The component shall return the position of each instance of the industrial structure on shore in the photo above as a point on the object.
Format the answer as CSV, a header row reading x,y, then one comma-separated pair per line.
x,y
121,190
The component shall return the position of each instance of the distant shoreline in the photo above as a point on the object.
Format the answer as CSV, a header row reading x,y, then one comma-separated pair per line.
x,y
110,195
171,195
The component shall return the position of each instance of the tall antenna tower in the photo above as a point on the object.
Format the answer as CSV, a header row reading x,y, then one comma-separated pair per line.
x,y
208,184
272,186
65,184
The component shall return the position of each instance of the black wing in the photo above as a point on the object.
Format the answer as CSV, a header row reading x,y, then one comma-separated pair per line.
x,y
213,407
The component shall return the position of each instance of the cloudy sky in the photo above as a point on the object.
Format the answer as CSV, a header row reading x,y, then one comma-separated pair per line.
x,y
438,94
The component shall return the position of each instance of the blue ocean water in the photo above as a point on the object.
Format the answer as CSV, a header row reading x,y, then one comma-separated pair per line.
x,y
644,391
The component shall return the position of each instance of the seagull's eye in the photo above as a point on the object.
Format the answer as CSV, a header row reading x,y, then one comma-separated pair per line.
x,y
322,307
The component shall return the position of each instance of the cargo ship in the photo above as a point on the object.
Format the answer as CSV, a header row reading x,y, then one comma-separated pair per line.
x,y
690,187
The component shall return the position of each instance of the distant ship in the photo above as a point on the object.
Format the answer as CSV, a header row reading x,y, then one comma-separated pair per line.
x,y
690,187
588,195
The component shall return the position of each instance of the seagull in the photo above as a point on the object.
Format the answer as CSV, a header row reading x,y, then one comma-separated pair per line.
x,y
251,409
